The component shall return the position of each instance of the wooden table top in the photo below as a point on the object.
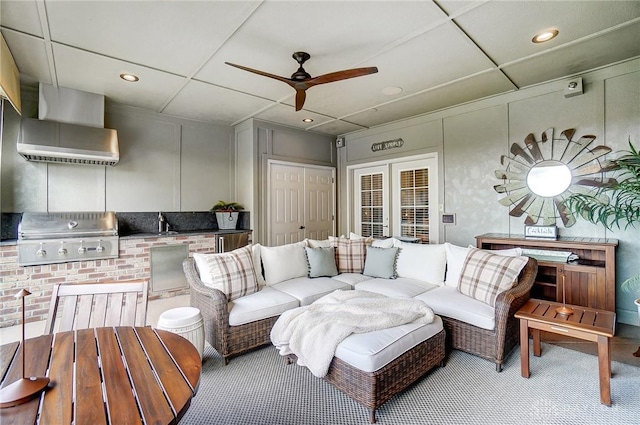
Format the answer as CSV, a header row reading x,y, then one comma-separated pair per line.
x,y
111,375
592,320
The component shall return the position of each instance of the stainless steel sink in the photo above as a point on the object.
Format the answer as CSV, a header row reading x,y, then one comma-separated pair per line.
x,y
167,233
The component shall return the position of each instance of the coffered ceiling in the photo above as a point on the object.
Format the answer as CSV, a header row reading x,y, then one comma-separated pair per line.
x,y
440,53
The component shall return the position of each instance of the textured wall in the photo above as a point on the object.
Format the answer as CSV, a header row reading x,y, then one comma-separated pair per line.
x,y
472,138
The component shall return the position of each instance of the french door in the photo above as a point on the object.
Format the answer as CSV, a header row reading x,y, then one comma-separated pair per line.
x,y
398,199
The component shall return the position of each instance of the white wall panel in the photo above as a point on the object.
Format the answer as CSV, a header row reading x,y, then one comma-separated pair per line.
x,y
205,167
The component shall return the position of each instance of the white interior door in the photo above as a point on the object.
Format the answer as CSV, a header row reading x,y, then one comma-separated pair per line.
x,y
319,202
301,203
286,204
371,200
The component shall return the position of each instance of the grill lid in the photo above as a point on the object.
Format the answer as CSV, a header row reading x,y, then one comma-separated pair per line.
x,y
36,225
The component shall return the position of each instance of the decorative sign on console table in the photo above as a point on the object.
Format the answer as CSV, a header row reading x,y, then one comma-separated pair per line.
x,y
540,232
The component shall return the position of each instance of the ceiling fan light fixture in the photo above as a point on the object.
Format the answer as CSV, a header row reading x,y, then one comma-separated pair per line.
x,y
307,120
390,91
131,78
545,36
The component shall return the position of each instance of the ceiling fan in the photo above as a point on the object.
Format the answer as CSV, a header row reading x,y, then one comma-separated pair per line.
x,y
301,80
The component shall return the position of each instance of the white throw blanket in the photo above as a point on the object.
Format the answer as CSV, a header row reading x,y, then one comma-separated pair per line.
x,y
313,332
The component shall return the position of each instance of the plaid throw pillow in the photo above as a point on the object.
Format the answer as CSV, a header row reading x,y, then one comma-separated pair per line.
x,y
233,273
350,254
485,275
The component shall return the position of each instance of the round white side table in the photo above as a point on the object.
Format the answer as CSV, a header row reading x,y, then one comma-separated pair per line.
x,y
186,322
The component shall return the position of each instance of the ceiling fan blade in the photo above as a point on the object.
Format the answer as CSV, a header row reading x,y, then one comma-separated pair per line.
x,y
301,95
264,74
341,75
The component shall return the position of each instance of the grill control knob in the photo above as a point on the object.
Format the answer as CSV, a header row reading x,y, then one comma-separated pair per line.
x,y
62,251
99,248
41,252
82,250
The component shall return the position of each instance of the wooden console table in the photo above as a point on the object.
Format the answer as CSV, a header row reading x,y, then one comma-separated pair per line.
x,y
585,323
120,375
589,281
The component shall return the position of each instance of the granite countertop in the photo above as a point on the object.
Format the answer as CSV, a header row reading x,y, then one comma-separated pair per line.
x,y
182,233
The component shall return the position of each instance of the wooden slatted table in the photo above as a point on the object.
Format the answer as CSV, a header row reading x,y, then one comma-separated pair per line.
x,y
585,323
111,375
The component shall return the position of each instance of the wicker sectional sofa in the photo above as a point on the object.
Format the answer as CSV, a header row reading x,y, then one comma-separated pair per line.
x,y
426,272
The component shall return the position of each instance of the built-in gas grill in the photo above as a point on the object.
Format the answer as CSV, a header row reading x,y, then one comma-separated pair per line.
x,y
47,238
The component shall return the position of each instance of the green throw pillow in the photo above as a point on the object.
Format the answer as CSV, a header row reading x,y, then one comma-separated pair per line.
x,y
322,262
381,262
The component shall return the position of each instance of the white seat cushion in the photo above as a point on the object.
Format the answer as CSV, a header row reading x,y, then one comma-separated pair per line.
x,y
308,290
263,304
372,350
447,301
401,287
351,278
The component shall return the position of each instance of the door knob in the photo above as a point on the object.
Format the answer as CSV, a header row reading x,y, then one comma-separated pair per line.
x,y
302,227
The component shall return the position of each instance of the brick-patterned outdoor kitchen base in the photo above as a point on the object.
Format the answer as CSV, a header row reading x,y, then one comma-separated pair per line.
x,y
133,263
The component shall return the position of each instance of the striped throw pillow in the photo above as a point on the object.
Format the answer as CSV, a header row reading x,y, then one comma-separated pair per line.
x,y
233,273
350,254
485,275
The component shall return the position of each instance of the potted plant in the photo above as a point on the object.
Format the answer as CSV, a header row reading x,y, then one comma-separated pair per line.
x,y
616,206
227,214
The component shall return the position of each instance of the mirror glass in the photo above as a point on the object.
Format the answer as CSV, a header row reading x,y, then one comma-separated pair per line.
x,y
549,178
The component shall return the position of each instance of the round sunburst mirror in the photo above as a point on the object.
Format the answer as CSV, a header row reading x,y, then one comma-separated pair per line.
x,y
540,177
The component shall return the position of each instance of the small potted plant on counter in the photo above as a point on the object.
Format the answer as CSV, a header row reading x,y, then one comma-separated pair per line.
x,y
227,214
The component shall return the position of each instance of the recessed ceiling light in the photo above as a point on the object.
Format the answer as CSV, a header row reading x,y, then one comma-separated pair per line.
x,y
390,91
307,120
129,77
545,36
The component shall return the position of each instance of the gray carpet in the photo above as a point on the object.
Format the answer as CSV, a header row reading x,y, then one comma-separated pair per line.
x,y
258,388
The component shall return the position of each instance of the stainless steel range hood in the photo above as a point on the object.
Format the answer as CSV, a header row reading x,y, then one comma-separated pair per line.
x,y
70,130
50,141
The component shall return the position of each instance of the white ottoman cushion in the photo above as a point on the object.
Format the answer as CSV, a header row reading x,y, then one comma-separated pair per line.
x,y
372,350
267,302
351,278
447,301
308,290
396,288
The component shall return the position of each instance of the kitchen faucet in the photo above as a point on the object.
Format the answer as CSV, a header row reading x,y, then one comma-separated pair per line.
x,y
161,221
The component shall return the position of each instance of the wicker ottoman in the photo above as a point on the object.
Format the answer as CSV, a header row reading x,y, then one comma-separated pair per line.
x,y
373,367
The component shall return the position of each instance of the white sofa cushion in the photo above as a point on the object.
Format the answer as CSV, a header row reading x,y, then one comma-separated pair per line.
x,y
447,301
257,264
313,243
384,243
422,262
456,256
308,290
351,278
263,304
371,351
284,262
401,287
